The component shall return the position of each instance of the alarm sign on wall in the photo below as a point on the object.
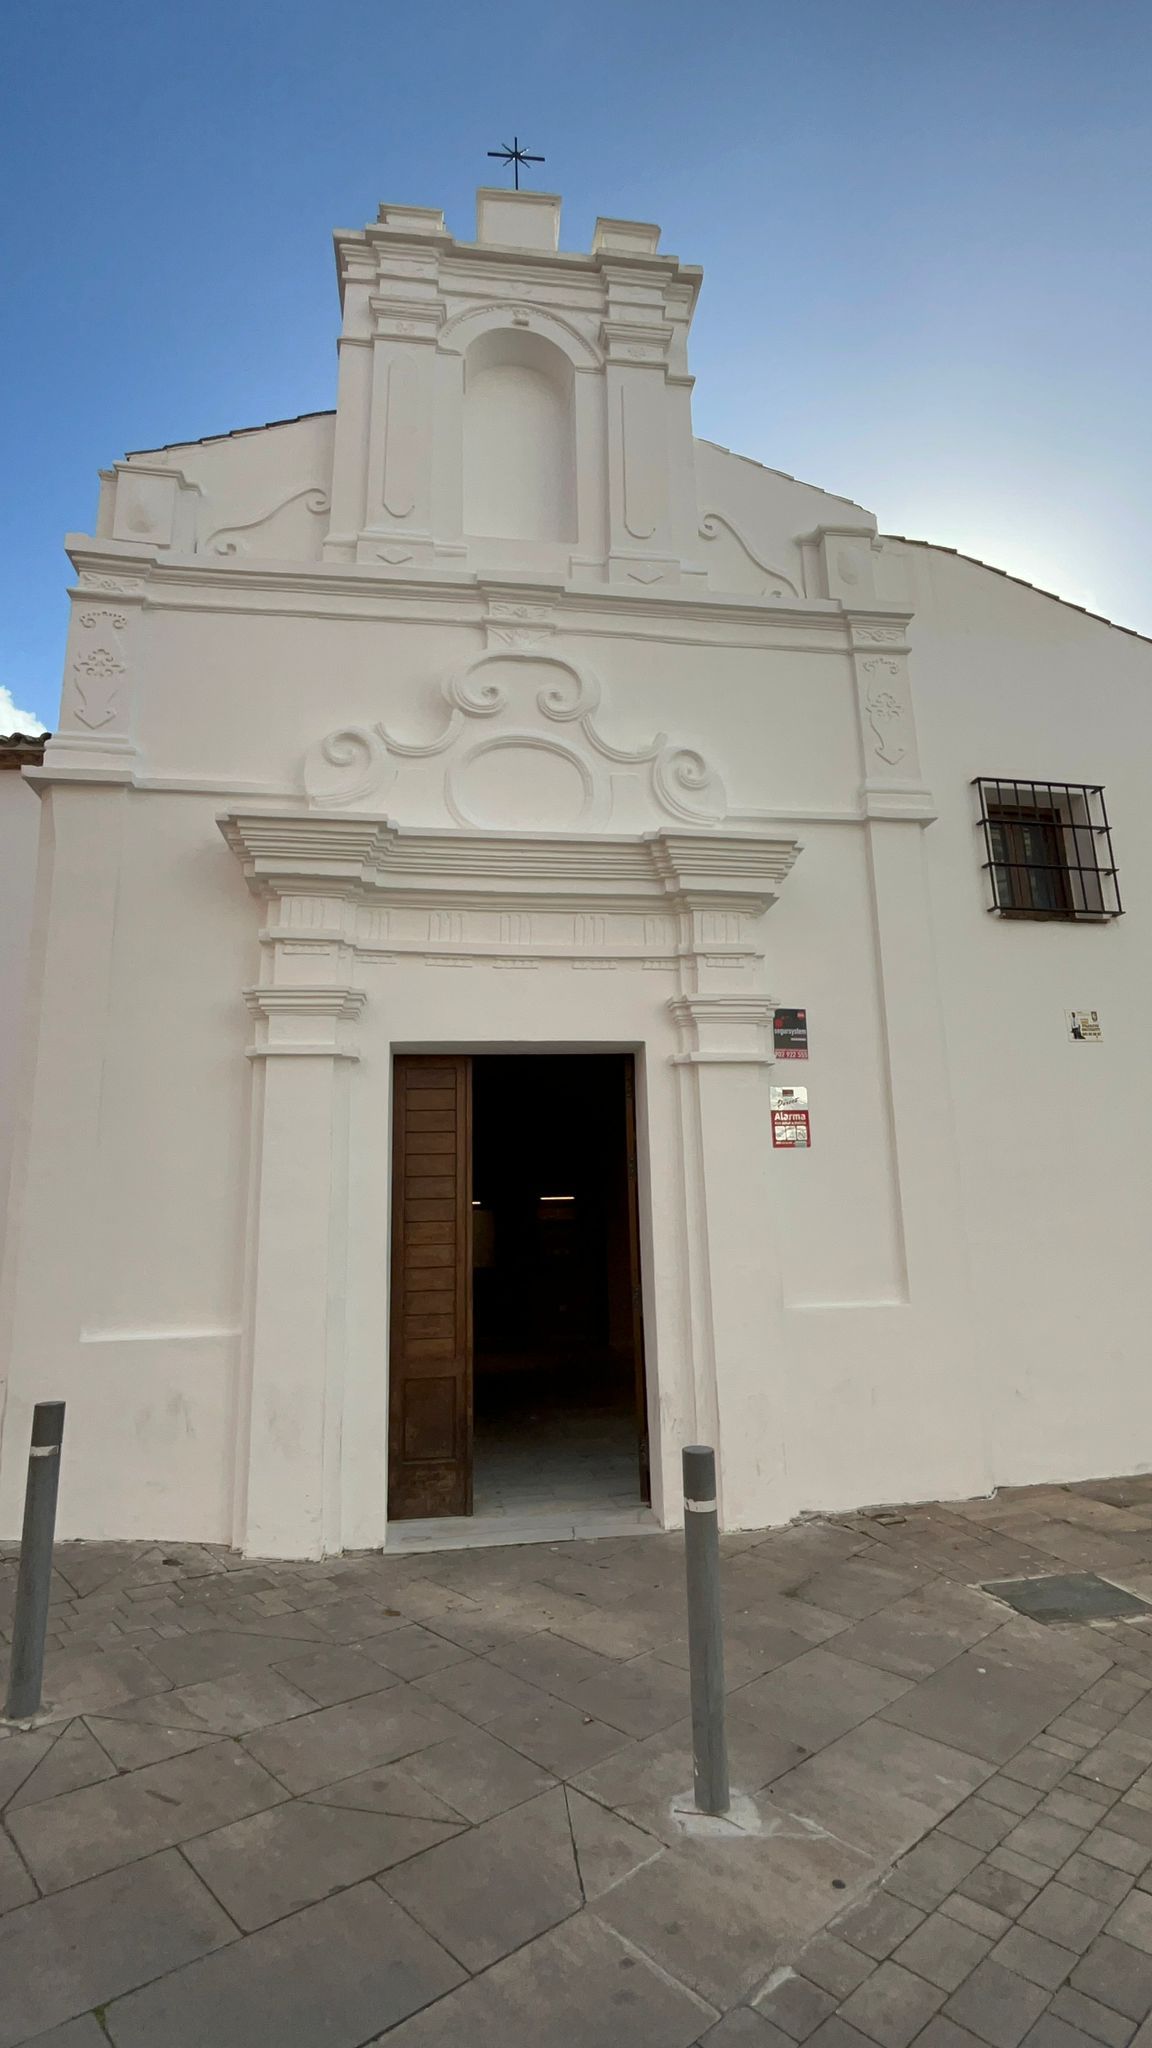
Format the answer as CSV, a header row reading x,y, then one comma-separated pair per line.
x,y
790,1117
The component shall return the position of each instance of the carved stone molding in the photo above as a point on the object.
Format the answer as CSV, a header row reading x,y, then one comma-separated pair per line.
x,y
340,888
360,763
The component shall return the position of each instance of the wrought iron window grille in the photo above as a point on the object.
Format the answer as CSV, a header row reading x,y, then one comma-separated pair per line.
x,y
1047,849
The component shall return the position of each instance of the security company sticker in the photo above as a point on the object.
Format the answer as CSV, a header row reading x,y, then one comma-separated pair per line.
x,y
790,1116
790,1034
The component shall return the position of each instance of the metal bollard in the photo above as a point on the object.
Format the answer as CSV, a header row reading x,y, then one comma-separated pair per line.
x,y
34,1581
705,1630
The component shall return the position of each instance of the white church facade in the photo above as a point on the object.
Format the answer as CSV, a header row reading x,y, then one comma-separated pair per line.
x,y
552,941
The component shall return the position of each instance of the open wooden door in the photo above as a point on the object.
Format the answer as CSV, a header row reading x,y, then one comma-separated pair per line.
x,y
634,1264
430,1398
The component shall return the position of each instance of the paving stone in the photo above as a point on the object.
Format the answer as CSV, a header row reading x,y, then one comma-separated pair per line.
x,y
834,1965
16,1886
1045,1840
608,1848
878,1925
64,1955
19,1756
1118,1850
211,1653
816,1698
239,1703
1050,2032
1099,1880
1070,1806
794,2005
132,1744
1113,1766
389,1789
1010,1794
413,1651
74,1760
836,2033
80,1834
1064,1915
881,1788
892,2005
334,1742
936,1866
558,1736
332,1674
743,2028
276,1862
1098,2022
943,1951
722,1915
996,2005
551,1662
944,2033
488,1891
1032,1956
1037,1768
82,2033
1116,1975
595,1991
1024,1867
331,1973
981,1919
990,1705
978,1822
481,1691
917,1635
640,1697
1132,1921
1133,1821
477,1775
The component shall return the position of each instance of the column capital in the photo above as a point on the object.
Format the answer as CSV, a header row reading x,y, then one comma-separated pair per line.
x,y
304,1022
723,1030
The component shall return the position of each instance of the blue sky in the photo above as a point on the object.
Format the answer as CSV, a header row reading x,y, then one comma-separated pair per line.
x,y
924,228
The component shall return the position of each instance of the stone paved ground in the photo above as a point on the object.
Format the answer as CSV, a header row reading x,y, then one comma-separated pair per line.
x,y
427,1800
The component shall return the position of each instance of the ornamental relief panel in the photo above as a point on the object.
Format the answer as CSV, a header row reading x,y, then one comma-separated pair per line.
x,y
97,667
517,744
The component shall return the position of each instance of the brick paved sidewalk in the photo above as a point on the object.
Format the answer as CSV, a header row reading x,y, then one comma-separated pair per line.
x,y
429,1800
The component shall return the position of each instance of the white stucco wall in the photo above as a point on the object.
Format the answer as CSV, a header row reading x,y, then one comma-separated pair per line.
x,y
19,836
675,767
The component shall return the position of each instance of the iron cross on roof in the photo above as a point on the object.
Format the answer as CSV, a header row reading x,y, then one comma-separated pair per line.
x,y
516,156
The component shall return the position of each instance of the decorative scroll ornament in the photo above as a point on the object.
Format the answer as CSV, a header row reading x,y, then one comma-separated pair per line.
x,y
766,581
358,762
237,539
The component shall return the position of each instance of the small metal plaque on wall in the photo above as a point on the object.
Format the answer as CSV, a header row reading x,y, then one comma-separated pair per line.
x,y
1085,1026
790,1034
790,1124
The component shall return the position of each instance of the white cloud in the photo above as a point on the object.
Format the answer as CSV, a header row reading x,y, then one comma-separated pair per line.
x,y
12,719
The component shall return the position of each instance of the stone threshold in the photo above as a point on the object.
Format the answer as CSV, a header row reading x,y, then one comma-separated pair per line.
x,y
478,1532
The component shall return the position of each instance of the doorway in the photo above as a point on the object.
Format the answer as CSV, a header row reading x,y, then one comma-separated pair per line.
x,y
517,1358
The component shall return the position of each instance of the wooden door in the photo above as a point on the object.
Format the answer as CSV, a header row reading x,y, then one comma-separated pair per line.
x,y
430,1398
641,1386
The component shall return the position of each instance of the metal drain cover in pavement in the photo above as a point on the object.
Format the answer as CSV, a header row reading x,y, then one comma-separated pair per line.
x,y
1068,1596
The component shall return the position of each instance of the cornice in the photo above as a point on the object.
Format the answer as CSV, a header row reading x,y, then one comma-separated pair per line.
x,y
193,582
343,855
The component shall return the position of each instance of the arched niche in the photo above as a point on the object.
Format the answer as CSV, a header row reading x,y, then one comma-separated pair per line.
x,y
519,438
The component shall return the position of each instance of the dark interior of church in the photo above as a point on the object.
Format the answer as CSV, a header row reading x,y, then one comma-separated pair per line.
x,y
555,1333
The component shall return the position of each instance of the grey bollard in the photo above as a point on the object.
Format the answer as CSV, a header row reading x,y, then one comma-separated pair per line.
x,y
34,1580
705,1630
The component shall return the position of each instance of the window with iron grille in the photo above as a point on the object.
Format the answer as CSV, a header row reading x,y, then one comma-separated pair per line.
x,y
1048,849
